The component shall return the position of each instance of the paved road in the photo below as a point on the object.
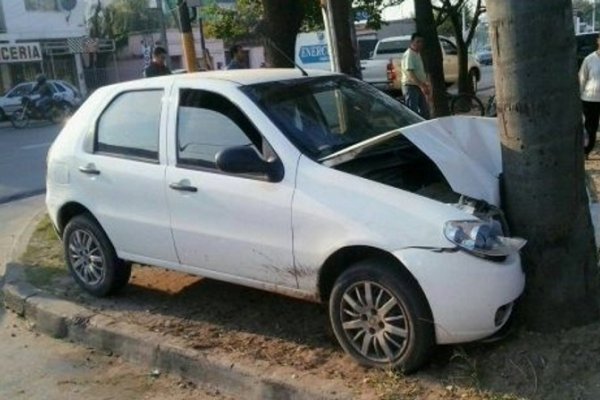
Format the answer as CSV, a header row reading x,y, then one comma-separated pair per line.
x,y
23,159
34,366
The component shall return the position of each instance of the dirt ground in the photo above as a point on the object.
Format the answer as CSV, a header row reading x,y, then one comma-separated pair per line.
x,y
247,324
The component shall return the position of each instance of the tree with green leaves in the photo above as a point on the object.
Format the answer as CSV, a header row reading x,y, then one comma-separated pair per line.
x,y
121,18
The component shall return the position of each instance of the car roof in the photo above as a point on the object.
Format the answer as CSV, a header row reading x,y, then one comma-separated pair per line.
x,y
406,37
245,76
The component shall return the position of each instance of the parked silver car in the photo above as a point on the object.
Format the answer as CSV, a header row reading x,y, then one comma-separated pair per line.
x,y
11,101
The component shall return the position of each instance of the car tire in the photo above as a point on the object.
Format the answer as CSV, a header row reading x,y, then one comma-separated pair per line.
x,y
92,259
390,328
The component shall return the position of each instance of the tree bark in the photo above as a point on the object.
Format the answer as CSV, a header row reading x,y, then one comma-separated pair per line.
x,y
282,21
344,25
432,56
464,83
540,127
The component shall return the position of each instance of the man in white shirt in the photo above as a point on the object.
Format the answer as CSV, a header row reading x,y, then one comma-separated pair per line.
x,y
589,81
414,78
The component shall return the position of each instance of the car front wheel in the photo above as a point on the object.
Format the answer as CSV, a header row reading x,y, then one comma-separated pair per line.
x,y
91,258
380,317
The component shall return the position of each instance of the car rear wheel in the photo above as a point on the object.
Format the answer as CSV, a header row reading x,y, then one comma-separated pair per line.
x,y
380,317
91,258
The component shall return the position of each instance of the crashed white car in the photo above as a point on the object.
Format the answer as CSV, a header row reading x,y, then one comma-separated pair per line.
x,y
317,187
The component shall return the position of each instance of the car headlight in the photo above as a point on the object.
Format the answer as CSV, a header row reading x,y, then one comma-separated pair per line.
x,y
482,238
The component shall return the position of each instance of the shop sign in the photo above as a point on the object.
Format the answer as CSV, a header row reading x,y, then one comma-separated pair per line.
x,y
20,52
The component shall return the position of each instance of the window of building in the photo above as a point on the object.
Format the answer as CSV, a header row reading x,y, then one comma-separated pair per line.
x,y
41,5
130,125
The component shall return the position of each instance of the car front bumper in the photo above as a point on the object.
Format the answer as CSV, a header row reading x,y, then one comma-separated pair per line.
x,y
470,297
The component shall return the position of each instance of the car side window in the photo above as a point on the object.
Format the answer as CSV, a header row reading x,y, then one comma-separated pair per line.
x,y
59,87
448,47
21,90
129,126
208,123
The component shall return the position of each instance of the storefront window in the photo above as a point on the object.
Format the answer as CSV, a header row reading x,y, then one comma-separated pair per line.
x,y
41,5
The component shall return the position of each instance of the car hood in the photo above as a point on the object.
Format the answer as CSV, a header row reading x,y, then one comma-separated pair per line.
x,y
465,149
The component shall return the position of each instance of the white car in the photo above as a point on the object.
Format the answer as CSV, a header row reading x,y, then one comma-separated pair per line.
x,y
318,187
11,101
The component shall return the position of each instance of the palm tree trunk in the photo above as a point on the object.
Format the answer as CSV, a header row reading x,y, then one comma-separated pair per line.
x,y
539,115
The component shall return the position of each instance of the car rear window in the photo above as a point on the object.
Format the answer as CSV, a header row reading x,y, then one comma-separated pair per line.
x,y
129,126
393,47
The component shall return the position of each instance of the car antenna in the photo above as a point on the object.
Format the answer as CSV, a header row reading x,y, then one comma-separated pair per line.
x,y
272,44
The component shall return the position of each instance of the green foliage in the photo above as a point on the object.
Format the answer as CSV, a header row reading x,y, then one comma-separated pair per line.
x,y
121,18
232,24
238,23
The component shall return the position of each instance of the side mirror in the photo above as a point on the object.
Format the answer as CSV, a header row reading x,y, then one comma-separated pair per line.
x,y
245,160
371,54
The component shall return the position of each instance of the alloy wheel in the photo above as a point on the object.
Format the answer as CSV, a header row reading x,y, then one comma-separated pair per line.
x,y
86,257
374,321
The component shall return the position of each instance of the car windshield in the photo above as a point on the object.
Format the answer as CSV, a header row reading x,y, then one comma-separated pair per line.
x,y
327,114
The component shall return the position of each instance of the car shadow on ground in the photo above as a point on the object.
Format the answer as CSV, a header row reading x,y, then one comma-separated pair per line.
x,y
212,314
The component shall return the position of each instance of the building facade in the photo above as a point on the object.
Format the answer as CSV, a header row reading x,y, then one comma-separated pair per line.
x,y
41,36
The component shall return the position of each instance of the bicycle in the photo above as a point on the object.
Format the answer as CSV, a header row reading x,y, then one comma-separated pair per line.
x,y
490,109
465,104
460,104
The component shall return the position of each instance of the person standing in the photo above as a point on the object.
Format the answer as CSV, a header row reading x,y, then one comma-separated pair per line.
x,y
237,57
158,65
589,81
414,79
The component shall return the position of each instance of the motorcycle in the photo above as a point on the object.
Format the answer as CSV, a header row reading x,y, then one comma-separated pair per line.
x,y
56,112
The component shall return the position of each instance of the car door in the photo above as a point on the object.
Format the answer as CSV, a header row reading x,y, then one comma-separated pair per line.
x,y
231,227
450,60
120,176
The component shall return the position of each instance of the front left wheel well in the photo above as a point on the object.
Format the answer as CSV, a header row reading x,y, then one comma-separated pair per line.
x,y
345,257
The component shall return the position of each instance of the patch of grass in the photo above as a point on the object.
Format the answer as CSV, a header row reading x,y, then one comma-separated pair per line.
x,y
44,256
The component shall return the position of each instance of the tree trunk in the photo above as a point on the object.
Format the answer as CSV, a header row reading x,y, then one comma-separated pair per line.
x,y
432,56
344,25
464,83
539,115
282,20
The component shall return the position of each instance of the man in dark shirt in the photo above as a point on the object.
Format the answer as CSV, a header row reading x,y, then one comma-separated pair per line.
x,y
157,67
42,87
237,57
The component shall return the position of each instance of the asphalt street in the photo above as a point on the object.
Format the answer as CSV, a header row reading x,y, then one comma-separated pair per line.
x,y
23,159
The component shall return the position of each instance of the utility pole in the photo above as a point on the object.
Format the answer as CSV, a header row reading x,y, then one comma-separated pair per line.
x,y
187,37
163,30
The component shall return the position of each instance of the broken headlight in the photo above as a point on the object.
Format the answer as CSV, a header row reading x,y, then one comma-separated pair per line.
x,y
482,238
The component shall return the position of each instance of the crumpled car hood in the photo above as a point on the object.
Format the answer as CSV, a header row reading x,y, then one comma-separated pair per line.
x,y
467,151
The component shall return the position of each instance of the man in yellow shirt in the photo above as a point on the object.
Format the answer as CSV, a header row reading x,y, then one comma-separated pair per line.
x,y
414,79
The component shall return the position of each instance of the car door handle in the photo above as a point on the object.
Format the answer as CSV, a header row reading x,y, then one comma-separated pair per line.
x,y
89,169
183,188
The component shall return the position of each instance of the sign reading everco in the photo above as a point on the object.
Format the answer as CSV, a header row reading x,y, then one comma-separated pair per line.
x,y
20,52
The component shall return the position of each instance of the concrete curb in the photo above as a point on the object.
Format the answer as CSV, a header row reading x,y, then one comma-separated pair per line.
x,y
63,319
